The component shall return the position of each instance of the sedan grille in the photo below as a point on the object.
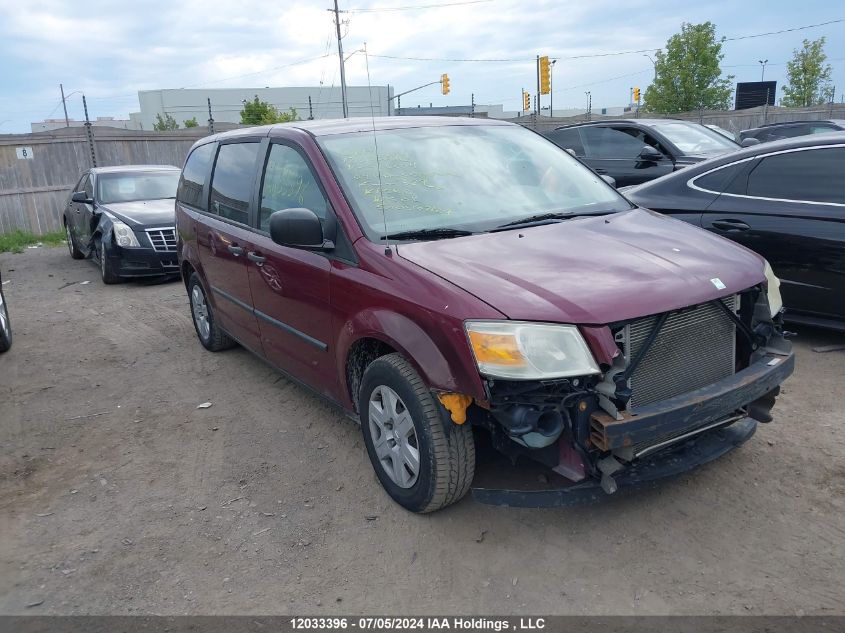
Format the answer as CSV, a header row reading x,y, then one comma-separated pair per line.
x,y
163,240
694,348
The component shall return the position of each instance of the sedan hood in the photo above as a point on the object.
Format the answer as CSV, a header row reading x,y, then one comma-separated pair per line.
x,y
144,212
592,270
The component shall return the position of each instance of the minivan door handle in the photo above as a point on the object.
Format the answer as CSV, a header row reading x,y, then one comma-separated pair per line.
x,y
730,225
255,257
237,251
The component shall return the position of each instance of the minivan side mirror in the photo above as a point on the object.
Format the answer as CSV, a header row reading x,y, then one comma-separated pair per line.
x,y
81,196
650,153
749,141
299,228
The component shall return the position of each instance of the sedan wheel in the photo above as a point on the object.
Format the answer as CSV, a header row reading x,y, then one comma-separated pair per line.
x,y
394,437
5,325
75,253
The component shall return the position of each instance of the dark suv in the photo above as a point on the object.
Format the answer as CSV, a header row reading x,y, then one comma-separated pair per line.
x,y
445,277
633,151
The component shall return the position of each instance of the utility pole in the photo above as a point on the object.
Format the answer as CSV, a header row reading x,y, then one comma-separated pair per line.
x,y
342,64
472,105
89,133
552,88
210,118
64,105
310,109
589,105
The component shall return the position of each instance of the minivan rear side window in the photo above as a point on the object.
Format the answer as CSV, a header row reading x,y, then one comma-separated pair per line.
x,y
193,177
231,184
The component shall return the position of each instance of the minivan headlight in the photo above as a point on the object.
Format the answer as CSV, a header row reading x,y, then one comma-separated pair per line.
x,y
123,235
773,289
529,351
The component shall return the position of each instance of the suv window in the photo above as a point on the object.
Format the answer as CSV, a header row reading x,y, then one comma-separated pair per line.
x,y
608,142
814,175
193,176
288,184
568,139
231,184
88,187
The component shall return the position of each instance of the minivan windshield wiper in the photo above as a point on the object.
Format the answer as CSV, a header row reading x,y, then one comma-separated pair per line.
x,y
427,234
531,219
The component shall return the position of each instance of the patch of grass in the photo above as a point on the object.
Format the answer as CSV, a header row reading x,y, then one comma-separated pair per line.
x,y
18,240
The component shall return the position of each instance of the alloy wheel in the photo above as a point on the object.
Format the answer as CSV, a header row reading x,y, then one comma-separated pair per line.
x,y
69,239
394,436
200,311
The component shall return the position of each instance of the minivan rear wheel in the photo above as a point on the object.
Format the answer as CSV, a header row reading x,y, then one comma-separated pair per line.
x,y
209,333
421,467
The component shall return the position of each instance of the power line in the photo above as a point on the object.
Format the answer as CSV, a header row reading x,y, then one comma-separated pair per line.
x,y
415,7
596,55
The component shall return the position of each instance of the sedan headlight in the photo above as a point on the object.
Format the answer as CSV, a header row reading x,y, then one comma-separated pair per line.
x,y
123,235
529,351
773,287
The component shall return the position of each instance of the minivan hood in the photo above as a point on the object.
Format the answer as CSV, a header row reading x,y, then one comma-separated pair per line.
x,y
592,270
144,212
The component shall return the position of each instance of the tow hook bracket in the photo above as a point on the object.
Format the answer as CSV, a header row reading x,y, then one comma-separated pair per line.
x,y
608,466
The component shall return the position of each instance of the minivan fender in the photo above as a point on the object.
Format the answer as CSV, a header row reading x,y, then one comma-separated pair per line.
x,y
441,371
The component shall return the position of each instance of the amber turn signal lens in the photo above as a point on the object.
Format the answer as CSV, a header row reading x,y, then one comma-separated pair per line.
x,y
496,349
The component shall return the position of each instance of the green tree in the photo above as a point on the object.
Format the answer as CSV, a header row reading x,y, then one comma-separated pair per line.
x,y
166,123
192,122
808,76
687,75
257,112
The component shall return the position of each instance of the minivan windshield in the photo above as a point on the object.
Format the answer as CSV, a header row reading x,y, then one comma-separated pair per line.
x,y
692,138
140,185
442,180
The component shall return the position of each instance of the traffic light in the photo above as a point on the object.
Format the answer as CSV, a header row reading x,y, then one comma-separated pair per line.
x,y
444,83
636,95
526,102
545,76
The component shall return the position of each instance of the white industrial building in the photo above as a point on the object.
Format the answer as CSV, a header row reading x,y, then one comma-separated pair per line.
x,y
319,102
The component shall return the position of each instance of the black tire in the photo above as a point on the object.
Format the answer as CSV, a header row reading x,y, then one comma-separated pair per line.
x,y
5,332
446,462
106,273
71,243
215,339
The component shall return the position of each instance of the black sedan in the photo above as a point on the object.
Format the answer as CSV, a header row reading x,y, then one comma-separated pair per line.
x,y
125,219
784,200
633,151
5,323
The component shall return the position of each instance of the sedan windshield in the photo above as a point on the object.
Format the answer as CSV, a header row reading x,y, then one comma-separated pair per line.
x,y
128,187
695,139
461,177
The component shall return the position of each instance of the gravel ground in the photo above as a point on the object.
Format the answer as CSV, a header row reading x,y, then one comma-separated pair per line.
x,y
118,495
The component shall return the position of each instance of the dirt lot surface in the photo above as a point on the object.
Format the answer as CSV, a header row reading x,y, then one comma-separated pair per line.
x,y
118,495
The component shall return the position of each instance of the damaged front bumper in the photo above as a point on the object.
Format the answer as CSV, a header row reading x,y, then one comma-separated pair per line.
x,y
666,438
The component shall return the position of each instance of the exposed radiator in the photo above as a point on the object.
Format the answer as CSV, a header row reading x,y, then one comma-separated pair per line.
x,y
694,348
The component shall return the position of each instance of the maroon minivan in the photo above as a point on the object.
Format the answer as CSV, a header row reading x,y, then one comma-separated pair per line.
x,y
442,278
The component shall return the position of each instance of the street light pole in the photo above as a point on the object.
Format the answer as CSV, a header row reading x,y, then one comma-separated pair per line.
x,y
763,63
653,63
589,104
552,88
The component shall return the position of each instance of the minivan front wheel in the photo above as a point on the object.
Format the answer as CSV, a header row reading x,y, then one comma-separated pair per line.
x,y
418,464
209,333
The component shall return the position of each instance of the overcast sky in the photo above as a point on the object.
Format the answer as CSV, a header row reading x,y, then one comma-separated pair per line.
x,y
110,50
